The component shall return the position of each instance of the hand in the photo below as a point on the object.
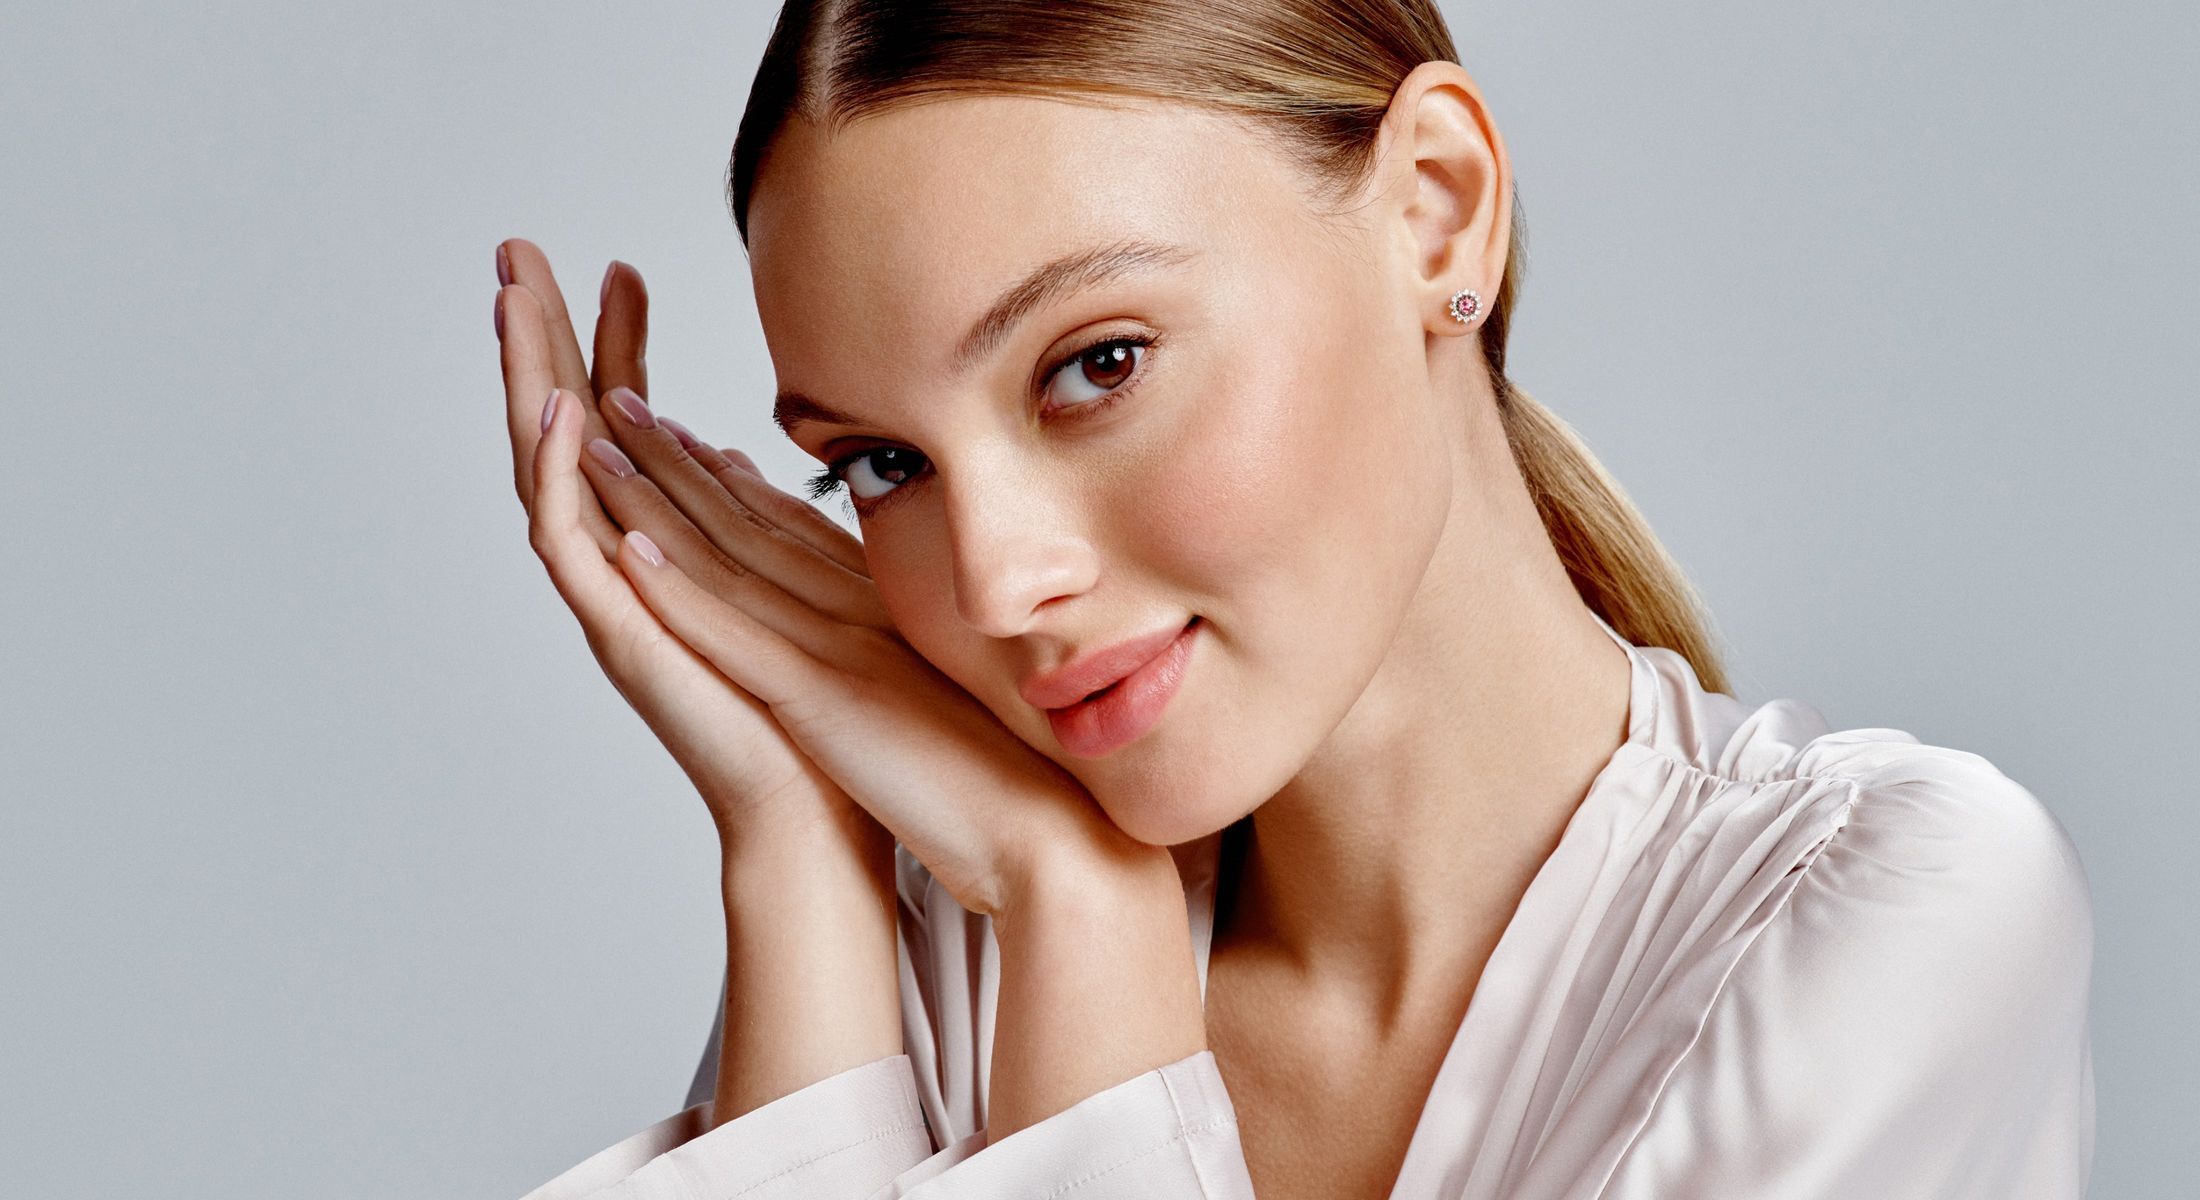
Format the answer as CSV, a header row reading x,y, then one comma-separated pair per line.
x,y
754,589
977,805
719,516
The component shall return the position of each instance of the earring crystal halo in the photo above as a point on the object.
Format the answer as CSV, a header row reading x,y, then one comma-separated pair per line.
x,y
1464,305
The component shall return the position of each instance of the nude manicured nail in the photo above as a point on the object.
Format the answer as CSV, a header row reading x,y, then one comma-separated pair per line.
x,y
609,455
688,441
646,548
603,294
504,266
632,407
549,409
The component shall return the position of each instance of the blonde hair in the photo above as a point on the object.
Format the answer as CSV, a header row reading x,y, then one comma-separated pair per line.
x,y
1317,76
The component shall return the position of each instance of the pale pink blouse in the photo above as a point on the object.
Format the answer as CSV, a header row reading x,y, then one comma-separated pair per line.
x,y
1766,959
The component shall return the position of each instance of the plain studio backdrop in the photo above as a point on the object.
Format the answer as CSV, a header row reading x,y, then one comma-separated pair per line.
x,y
330,864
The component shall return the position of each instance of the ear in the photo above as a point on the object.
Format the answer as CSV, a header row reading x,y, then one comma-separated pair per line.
x,y
1453,180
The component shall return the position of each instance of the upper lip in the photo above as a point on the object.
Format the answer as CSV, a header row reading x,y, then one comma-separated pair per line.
x,y
1088,673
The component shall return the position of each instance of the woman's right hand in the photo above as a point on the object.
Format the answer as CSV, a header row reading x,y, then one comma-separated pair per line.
x,y
760,788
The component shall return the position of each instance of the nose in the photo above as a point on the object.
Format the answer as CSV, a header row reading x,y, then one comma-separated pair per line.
x,y
1015,544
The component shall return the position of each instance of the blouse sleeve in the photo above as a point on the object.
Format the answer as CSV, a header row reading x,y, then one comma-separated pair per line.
x,y
841,1137
1912,1023
876,1132
1168,1134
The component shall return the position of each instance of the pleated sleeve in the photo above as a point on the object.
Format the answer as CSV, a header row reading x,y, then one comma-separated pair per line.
x,y
1910,1023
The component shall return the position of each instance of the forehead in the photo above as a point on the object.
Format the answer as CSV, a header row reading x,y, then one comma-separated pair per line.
x,y
896,231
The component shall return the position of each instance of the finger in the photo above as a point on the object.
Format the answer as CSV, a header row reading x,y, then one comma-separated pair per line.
x,y
741,478
744,649
622,331
765,529
738,474
795,516
531,270
527,383
674,497
611,612
525,362
800,596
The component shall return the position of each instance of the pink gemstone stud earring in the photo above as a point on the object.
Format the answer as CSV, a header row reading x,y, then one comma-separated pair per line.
x,y
1464,305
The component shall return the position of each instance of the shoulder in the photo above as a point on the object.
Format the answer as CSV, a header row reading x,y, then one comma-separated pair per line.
x,y
1938,822
1876,841
1892,811
1936,870
1904,987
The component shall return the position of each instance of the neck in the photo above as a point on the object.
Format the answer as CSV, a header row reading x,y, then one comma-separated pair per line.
x,y
1389,866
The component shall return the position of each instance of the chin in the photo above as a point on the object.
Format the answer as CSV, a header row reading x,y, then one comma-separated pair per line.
x,y
1164,817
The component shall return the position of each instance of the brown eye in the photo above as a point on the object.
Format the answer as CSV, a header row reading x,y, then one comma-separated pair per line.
x,y
1107,367
1093,373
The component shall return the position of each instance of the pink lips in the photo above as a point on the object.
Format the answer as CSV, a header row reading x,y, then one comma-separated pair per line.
x,y
1068,684
1089,728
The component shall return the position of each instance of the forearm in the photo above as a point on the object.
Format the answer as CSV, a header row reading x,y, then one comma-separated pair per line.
x,y
1098,985
812,985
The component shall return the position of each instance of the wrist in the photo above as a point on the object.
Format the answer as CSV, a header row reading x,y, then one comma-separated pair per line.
x,y
834,881
1098,982
811,973
833,840
1096,873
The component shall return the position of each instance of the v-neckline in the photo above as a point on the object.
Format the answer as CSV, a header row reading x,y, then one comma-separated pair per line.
x,y
1459,1100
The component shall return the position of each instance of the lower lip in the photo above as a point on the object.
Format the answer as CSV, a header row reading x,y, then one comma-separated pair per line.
x,y
1091,728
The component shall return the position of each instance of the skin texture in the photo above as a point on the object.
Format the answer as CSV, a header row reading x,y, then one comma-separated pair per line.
x,y
1394,676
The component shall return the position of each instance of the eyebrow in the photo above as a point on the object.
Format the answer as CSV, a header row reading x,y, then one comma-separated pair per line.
x,y
1078,271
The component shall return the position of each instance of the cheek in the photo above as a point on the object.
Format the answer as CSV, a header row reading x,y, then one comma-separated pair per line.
x,y
1271,498
1297,508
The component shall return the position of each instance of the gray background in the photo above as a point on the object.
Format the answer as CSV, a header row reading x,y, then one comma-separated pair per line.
x,y
331,866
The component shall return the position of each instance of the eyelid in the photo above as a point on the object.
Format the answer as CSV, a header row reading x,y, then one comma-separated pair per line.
x,y
1144,339
829,480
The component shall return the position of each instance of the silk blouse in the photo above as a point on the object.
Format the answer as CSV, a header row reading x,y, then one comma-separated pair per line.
x,y
1765,959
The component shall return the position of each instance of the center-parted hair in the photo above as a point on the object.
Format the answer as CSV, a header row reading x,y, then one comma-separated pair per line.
x,y
1315,78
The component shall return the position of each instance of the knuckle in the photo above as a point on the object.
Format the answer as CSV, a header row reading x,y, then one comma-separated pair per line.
x,y
544,546
731,568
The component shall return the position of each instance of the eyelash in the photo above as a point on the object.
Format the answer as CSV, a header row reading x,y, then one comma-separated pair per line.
x,y
828,480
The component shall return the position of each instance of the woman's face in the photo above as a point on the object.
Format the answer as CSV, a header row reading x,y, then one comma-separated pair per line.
x,y
1234,424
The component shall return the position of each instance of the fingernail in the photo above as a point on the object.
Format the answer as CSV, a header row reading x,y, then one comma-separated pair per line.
x,y
743,461
632,407
549,409
609,456
646,548
688,441
504,266
500,316
603,294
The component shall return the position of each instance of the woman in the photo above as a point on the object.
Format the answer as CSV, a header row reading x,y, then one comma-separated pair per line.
x,y
1253,747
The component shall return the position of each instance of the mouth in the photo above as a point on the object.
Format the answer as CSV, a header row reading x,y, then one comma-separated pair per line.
x,y
1122,712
